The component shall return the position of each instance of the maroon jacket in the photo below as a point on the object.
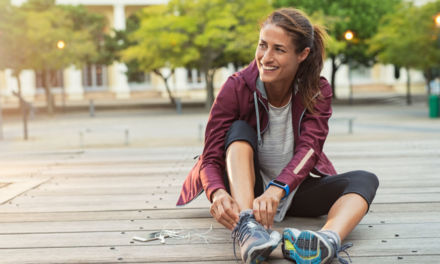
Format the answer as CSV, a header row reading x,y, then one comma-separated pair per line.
x,y
236,101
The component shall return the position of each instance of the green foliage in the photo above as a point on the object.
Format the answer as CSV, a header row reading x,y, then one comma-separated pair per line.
x,y
203,34
360,16
13,42
30,33
159,41
91,25
409,38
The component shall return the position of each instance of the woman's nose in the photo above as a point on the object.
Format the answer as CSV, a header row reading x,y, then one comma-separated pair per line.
x,y
267,57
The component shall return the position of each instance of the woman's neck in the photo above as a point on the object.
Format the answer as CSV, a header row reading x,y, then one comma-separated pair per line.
x,y
278,95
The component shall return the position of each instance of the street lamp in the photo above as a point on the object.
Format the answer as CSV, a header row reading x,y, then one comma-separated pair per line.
x,y
349,36
61,44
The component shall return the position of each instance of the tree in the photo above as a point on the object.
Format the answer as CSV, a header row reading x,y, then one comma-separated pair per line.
x,y
409,39
56,39
156,43
359,16
204,34
14,49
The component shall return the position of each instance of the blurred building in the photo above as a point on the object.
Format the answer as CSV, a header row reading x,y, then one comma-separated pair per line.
x,y
110,82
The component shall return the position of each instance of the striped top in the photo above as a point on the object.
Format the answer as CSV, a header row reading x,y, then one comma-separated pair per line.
x,y
277,150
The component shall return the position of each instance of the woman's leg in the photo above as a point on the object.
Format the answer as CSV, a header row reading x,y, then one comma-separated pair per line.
x,y
242,178
345,198
243,182
241,173
345,214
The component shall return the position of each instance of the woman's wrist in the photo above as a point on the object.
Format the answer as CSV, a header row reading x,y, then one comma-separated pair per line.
x,y
277,191
217,193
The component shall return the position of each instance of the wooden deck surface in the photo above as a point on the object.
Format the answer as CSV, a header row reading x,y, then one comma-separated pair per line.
x,y
85,206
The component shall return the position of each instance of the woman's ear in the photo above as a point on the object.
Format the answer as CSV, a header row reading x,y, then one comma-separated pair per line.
x,y
303,55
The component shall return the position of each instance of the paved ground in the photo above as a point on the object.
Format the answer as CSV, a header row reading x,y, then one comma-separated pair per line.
x,y
71,199
390,120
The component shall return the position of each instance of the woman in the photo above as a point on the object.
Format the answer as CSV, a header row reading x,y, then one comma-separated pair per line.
x,y
263,156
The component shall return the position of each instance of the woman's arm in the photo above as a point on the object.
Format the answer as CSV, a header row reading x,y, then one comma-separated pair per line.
x,y
314,131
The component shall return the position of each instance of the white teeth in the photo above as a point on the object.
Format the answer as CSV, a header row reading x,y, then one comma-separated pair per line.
x,y
269,68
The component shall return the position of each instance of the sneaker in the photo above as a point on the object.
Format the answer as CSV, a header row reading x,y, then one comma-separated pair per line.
x,y
308,247
256,243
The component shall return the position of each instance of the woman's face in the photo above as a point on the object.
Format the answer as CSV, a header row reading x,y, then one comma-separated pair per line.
x,y
276,58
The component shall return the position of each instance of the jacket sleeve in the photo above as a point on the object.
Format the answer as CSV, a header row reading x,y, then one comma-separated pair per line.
x,y
313,133
224,112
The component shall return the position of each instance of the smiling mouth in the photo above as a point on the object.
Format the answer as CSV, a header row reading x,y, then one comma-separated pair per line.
x,y
268,68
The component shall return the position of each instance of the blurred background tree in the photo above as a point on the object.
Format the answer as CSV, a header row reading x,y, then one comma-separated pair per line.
x,y
14,45
409,38
161,40
45,37
360,16
205,35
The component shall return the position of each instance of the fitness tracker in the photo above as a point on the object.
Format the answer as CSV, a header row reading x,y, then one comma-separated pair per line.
x,y
281,185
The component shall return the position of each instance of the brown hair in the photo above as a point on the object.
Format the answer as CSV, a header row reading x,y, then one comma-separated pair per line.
x,y
303,35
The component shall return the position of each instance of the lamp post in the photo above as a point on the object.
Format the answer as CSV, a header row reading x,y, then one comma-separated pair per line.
x,y
349,35
61,45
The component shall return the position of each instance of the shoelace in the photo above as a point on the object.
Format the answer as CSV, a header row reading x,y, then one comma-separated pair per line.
x,y
240,231
343,248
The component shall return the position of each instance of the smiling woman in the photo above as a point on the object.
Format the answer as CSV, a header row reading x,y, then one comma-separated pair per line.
x,y
264,141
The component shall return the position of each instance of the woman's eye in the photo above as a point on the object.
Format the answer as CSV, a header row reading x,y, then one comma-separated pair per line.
x,y
280,50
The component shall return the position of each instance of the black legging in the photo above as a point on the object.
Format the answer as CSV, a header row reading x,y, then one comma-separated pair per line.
x,y
315,196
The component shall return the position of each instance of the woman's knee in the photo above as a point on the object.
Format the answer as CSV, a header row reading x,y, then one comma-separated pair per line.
x,y
368,178
364,183
240,131
239,146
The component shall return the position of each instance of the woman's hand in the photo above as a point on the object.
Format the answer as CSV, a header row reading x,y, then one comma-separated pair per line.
x,y
224,209
265,206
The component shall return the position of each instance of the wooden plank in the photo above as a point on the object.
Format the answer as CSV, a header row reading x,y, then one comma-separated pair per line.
x,y
13,189
201,236
159,200
149,254
414,213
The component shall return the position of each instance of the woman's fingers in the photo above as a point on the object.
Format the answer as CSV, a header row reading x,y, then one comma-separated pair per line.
x,y
256,209
265,210
217,212
270,215
225,211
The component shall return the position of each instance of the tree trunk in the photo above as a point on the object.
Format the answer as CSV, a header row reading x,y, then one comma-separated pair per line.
x,y
428,78
167,87
23,105
209,79
48,92
333,76
408,87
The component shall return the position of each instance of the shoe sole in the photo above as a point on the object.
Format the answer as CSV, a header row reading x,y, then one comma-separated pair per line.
x,y
305,248
260,253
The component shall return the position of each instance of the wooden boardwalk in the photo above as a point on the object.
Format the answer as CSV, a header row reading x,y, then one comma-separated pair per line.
x,y
85,206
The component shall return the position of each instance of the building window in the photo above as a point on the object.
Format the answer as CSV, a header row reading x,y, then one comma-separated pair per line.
x,y
54,79
94,77
199,76
139,81
189,76
194,76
